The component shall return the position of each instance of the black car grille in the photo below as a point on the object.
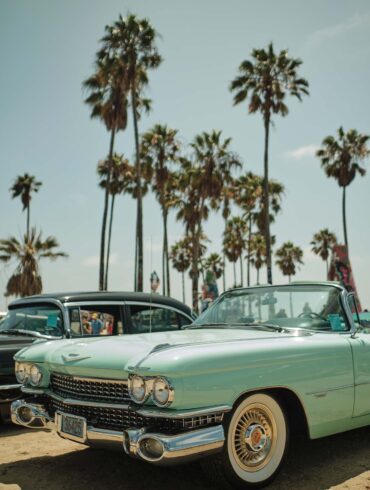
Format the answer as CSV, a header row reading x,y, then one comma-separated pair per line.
x,y
90,389
120,419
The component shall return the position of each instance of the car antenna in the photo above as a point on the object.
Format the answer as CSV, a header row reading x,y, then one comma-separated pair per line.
x,y
151,289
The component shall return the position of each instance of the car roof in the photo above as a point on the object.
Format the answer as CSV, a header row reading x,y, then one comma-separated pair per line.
x,y
81,297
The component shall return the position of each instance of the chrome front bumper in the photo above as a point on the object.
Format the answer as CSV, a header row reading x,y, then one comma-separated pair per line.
x,y
142,443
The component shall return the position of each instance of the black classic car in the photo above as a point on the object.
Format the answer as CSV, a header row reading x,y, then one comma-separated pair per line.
x,y
72,315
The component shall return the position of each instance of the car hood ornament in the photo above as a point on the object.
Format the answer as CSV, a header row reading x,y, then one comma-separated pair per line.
x,y
74,357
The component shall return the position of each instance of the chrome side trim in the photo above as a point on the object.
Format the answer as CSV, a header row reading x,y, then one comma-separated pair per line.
x,y
324,392
148,412
10,387
93,303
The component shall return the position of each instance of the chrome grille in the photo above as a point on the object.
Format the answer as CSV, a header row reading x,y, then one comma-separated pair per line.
x,y
90,389
119,419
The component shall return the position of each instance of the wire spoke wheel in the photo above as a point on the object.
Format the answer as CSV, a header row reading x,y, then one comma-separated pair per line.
x,y
256,440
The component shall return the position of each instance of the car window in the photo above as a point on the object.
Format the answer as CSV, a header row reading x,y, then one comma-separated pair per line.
x,y
184,320
42,319
146,318
87,320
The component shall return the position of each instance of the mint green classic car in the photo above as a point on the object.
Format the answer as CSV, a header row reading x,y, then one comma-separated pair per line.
x,y
259,365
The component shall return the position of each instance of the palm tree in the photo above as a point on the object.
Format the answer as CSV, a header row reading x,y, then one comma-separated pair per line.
x,y
108,101
200,186
131,41
119,172
234,243
249,196
289,257
23,187
322,245
160,150
180,256
266,81
341,159
257,252
26,279
215,263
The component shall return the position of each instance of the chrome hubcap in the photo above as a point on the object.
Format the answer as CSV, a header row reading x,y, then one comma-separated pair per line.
x,y
254,437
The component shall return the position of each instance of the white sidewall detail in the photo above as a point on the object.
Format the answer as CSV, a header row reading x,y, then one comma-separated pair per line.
x,y
281,438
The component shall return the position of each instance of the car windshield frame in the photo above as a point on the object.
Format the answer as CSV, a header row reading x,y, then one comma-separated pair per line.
x,y
30,321
337,321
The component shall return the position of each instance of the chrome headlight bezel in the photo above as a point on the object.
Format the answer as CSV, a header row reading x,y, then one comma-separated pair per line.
x,y
135,378
161,384
35,375
21,372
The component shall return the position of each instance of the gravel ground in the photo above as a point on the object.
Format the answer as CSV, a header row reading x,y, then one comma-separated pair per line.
x,y
40,460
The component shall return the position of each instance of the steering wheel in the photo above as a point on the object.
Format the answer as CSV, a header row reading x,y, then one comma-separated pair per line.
x,y
312,315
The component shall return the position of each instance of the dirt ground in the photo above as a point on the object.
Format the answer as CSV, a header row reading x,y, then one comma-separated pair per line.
x,y
40,460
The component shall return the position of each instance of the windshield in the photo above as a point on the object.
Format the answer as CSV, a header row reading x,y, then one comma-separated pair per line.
x,y
294,306
40,320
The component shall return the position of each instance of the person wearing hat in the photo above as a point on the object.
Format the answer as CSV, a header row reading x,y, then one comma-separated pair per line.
x,y
96,324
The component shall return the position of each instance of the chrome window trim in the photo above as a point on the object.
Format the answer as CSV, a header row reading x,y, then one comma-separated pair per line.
x,y
158,305
93,303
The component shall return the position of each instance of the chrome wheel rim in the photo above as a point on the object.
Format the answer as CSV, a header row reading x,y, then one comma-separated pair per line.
x,y
254,437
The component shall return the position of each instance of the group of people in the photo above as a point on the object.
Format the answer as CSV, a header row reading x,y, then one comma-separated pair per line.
x,y
93,325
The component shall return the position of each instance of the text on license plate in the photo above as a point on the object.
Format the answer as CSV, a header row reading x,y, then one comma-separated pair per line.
x,y
75,426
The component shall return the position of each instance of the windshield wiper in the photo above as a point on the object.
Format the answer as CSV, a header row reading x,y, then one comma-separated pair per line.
x,y
20,331
194,326
268,326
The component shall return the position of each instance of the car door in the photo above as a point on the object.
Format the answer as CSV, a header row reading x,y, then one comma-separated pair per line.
x,y
360,344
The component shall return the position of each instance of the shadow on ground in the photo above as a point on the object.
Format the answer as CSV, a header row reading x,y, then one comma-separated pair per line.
x,y
311,465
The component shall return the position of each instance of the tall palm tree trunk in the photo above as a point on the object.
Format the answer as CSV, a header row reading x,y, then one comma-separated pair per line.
x,y
183,286
139,218
266,201
109,241
194,279
241,270
234,269
224,271
327,269
165,250
28,220
249,250
258,276
105,213
344,218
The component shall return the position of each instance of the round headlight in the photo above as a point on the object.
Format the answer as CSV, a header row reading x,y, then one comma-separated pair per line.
x,y
21,372
35,375
137,387
163,392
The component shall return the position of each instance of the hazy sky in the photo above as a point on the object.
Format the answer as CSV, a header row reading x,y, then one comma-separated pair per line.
x,y
47,49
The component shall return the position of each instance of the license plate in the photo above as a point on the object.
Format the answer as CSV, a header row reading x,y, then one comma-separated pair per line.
x,y
73,427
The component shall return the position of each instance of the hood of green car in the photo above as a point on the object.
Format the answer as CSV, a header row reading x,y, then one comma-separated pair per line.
x,y
114,357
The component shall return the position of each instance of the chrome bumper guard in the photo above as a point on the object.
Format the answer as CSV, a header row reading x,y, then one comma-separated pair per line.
x,y
150,446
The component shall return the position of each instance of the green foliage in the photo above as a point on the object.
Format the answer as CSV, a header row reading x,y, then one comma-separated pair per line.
x,y
289,257
26,279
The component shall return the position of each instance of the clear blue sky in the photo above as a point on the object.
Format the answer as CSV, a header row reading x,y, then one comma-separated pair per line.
x,y
47,48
